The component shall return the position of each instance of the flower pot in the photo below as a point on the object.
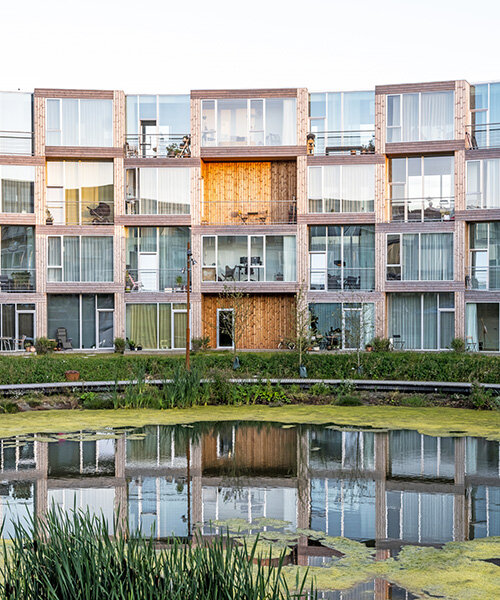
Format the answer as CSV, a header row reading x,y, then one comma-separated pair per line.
x,y
72,375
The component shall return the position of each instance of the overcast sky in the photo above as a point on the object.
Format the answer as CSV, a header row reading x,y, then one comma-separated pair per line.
x,y
170,46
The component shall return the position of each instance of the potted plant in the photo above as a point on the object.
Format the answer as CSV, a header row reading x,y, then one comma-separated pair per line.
x,y
130,344
72,375
178,281
49,219
369,347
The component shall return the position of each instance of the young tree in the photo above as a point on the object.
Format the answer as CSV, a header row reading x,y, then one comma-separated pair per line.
x,y
242,314
303,332
358,328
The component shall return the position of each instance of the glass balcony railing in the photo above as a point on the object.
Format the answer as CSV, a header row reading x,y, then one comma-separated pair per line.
x,y
249,212
323,143
79,213
343,278
486,135
422,209
483,278
17,280
16,142
340,205
149,206
155,280
158,145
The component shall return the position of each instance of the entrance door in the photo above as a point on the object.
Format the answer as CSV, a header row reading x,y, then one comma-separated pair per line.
x,y
225,327
25,326
148,270
105,328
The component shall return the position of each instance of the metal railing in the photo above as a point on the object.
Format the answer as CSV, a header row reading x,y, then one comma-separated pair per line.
x,y
155,280
80,213
486,135
340,205
323,143
481,200
483,278
16,142
343,278
17,280
148,206
422,209
249,212
158,145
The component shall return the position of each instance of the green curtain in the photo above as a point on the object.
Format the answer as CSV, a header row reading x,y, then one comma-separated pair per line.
x,y
165,326
141,325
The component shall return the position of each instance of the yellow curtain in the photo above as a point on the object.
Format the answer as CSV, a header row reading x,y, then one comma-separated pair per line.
x,y
141,325
165,326
180,324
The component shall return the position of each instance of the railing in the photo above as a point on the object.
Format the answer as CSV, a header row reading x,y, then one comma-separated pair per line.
x,y
17,280
148,206
483,278
16,142
323,143
249,212
155,280
340,205
79,213
486,135
343,278
158,145
482,200
241,271
422,209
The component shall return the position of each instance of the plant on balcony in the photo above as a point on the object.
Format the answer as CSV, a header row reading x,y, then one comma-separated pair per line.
x,y
21,280
179,283
49,219
173,150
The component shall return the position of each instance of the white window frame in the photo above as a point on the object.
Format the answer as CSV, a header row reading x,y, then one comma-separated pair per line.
x,y
61,266
219,310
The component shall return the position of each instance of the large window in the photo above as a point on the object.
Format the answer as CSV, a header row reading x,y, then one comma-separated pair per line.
x,y
249,122
17,189
421,321
80,258
79,122
158,191
483,183
341,188
421,188
485,116
420,257
87,318
482,326
484,256
156,258
17,326
17,272
346,325
16,123
157,326
156,125
249,258
342,257
80,192
421,116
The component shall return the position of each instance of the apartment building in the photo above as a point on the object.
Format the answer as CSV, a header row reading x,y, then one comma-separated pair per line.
x,y
381,207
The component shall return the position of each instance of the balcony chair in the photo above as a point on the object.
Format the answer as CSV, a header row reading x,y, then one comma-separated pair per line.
x,y
228,275
136,284
100,213
63,342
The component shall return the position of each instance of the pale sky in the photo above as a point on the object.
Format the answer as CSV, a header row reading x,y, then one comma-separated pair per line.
x,y
167,46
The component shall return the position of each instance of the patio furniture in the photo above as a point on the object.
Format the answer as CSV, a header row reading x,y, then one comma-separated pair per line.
x,y
228,274
397,342
470,344
136,284
63,341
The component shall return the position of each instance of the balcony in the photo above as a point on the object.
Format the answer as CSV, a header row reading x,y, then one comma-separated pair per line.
x,y
79,213
249,212
343,279
324,143
16,142
155,280
478,137
148,206
158,145
422,209
17,280
482,278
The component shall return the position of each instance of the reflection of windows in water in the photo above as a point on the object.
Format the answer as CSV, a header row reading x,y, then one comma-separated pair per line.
x,y
225,444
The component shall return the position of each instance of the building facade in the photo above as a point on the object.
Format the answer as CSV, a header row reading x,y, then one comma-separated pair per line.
x,y
380,209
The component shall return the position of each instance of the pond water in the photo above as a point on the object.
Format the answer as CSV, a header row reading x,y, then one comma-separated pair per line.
x,y
386,489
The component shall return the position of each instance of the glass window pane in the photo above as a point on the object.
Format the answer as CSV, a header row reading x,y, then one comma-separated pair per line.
x,y
88,321
63,310
141,325
17,188
96,117
174,114
70,124
281,122
232,122
438,113
208,133
410,118
165,323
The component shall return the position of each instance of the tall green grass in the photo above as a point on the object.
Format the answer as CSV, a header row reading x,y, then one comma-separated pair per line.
x,y
73,556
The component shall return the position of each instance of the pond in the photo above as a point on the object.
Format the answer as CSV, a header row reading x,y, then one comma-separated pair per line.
x,y
298,485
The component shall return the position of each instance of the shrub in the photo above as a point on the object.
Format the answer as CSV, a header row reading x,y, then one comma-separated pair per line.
x,y
381,344
119,345
458,344
201,343
184,390
93,401
320,389
483,398
43,345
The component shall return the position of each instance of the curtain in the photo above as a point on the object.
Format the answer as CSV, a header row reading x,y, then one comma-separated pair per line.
x,y
173,248
289,258
329,316
70,133
17,189
491,185
71,261
410,257
474,199
359,256
331,189
63,310
315,192
358,188
437,118
180,325
410,118
436,261
165,322
405,319
142,325
436,522
447,329
174,186
88,321
289,122
494,255
72,192
97,258
96,181
54,259
471,324
96,119
148,186
430,316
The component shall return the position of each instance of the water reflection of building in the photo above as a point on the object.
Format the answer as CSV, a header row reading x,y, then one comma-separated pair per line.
x,y
392,488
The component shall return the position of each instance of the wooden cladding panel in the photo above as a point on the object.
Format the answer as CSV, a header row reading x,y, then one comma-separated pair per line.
x,y
21,160
255,93
261,450
380,123
62,93
483,214
270,318
480,154
405,148
416,227
336,218
405,88
83,152
302,115
252,152
162,162
248,192
346,159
